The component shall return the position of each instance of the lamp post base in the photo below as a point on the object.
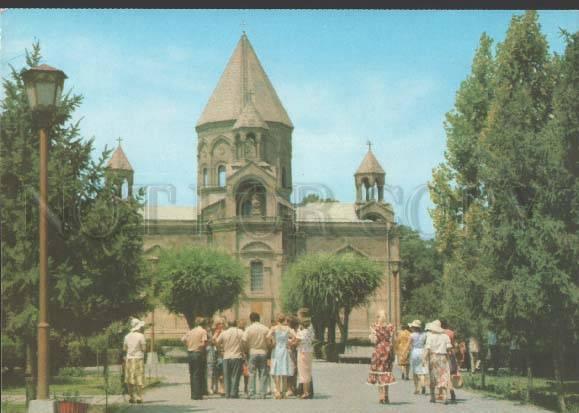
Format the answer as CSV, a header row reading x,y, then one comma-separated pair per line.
x,y
42,406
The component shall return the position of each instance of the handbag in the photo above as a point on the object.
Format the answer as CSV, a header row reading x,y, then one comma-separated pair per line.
x,y
457,381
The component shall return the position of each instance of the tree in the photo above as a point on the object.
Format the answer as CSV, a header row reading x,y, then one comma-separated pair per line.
x,y
313,198
460,199
508,227
198,281
95,239
513,160
420,274
331,286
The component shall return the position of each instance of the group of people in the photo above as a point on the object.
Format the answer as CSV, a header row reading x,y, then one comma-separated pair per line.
x,y
428,354
277,360
273,360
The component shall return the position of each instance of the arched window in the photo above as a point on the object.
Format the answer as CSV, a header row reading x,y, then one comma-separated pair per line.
x,y
125,189
256,280
221,176
250,147
238,147
205,177
365,190
375,217
250,198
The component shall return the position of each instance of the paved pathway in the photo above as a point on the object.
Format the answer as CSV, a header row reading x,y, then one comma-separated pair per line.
x,y
340,388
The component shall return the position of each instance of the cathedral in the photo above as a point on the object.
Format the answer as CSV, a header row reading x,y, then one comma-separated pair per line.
x,y
244,181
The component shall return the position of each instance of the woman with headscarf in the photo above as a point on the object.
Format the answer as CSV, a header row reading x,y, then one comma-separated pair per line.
x,y
382,357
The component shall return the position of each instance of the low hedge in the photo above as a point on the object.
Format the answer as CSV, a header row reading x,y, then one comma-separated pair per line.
x,y
318,349
331,351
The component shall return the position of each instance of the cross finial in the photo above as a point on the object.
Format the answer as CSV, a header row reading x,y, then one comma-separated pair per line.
x,y
369,143
243,26
119,140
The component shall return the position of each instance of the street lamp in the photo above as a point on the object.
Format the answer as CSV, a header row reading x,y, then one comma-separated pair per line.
x,y
43,87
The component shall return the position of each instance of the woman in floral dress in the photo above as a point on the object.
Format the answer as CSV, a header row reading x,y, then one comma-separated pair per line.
x,y
437,350
382,358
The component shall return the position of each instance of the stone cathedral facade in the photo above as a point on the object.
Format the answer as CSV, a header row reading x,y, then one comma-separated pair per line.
x,y
244,158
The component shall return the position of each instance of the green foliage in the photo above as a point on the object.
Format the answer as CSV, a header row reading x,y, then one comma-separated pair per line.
x,y
507,197
329,284
331,352
199,281
420,275
94,238
12,351
313,198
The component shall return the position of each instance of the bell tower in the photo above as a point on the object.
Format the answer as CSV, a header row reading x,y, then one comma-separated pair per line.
x,y
369,180
245,178
122,172
244,143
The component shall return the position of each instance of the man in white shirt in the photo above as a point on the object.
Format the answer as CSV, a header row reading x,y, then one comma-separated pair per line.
x,y
255,340
196,341
232,342
135,345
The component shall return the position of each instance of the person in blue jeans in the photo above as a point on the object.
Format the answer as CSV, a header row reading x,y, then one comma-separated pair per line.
x,y
255,342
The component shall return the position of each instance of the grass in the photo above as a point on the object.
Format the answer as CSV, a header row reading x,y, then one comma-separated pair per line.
x,y
85,384
515,388
13,407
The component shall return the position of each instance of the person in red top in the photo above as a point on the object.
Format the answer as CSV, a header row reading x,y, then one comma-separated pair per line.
x,y
452,361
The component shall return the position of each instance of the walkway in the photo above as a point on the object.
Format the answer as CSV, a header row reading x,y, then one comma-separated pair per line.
x,y
340,388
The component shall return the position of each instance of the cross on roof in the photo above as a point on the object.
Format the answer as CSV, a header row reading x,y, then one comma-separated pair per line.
x,y
243,26
369,143
119,140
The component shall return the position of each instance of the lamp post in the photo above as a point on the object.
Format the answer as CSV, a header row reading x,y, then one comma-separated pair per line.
x,y
43,87
152,357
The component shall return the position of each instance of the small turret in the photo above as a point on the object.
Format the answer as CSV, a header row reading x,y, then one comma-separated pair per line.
x,y
121,169
369,179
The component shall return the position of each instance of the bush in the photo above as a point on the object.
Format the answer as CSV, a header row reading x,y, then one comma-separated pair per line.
x,y
330,352
71,372
363,342
12,352
318,349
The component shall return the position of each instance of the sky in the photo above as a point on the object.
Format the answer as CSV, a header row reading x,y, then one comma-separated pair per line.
x,y
344,77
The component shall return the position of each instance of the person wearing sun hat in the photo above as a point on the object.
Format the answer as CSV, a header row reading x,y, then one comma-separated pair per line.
x,y
417,365
135,346
437,347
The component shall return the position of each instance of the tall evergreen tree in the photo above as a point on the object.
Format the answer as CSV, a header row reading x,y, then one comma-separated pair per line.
x,y
95,239
459,196
511,164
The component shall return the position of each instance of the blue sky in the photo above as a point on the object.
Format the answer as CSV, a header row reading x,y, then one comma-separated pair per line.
x,y
343,76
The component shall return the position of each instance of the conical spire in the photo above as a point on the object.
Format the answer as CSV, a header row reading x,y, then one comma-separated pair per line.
x,y
119,160
370,165
242,76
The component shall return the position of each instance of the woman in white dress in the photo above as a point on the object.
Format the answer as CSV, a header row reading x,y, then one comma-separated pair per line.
x,y
305,338
281,366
